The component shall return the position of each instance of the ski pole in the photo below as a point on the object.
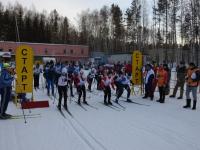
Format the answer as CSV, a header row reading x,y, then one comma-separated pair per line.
x,y
55,94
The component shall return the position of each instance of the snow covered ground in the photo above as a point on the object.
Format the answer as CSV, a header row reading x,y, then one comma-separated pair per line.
x,y
153,126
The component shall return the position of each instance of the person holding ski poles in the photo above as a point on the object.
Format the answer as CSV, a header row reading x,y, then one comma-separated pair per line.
x,y
62,88
79,81
122,83
106,82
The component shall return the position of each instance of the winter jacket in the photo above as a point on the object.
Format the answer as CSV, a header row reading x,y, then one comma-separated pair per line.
x,y
50,73
62,80
71,69
124,80
181,73
128,68
190,81
79,80
37,71
162,77
149,77
5,79
107,82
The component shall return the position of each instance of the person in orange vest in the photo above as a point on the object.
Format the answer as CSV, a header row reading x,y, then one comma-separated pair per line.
x,y
192,80
162,79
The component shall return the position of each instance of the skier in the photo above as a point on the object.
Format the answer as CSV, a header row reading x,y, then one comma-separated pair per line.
x,y
6,79
36,75
106,82
79,81
181,73
149,77
162,82
192,80
62,88
58,69
49,74
123,83
98,76
90,78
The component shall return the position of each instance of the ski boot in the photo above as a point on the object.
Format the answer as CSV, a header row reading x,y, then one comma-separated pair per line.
x,y
194,105
59,107
109,102
188,103
116,101
128,100
180,97
85,102
172,96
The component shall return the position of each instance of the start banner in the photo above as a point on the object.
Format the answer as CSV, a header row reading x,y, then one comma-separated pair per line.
x,y
24,69
137,68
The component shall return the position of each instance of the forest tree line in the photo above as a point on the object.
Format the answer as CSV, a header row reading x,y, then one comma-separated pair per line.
x,y
173,24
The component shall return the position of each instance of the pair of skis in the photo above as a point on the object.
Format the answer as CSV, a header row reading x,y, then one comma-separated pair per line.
x,y
86,104
67,110
114,107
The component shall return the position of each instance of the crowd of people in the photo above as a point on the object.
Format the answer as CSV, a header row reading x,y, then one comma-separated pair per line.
x,y
61,76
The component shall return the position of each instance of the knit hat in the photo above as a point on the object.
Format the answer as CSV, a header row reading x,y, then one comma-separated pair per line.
x,y
6,65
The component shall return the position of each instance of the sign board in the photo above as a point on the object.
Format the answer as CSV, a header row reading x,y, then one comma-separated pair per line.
x,y
24,69
137,68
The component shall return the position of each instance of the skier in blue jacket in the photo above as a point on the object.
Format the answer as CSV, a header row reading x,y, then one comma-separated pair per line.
x,y
6,79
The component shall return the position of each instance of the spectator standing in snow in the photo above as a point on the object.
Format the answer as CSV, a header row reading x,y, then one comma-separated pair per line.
x,y
149,77
181,73
192,80
6,80
162,80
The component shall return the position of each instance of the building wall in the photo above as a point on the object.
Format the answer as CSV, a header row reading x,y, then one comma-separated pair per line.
x,y
59,51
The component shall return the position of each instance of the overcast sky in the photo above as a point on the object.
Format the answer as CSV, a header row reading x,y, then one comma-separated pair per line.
x,y
70,8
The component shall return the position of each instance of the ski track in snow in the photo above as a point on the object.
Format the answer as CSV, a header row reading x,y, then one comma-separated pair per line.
x,y
160,126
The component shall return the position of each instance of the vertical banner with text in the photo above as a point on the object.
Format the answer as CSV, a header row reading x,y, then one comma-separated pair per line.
x,y
24,69
136,68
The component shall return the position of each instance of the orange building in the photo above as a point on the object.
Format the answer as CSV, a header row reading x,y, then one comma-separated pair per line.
x,y
61,52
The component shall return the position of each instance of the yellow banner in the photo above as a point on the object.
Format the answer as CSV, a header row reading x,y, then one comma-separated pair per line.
x,y
24,69
137,68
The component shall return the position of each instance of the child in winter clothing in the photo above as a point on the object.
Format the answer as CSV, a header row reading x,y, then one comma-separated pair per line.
x,y
106,82
62,88
123,83
79,81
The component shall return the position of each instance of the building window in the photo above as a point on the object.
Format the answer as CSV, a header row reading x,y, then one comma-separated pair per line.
x,y
10,50
65,52
71,51
82,51
1,49
46,51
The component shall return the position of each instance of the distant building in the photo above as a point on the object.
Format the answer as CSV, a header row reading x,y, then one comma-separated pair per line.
x,y
61,52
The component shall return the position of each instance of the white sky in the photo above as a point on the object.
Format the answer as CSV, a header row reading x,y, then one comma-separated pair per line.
x,y
70,8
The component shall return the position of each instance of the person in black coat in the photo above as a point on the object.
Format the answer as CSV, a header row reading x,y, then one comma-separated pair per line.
x,y
150,75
